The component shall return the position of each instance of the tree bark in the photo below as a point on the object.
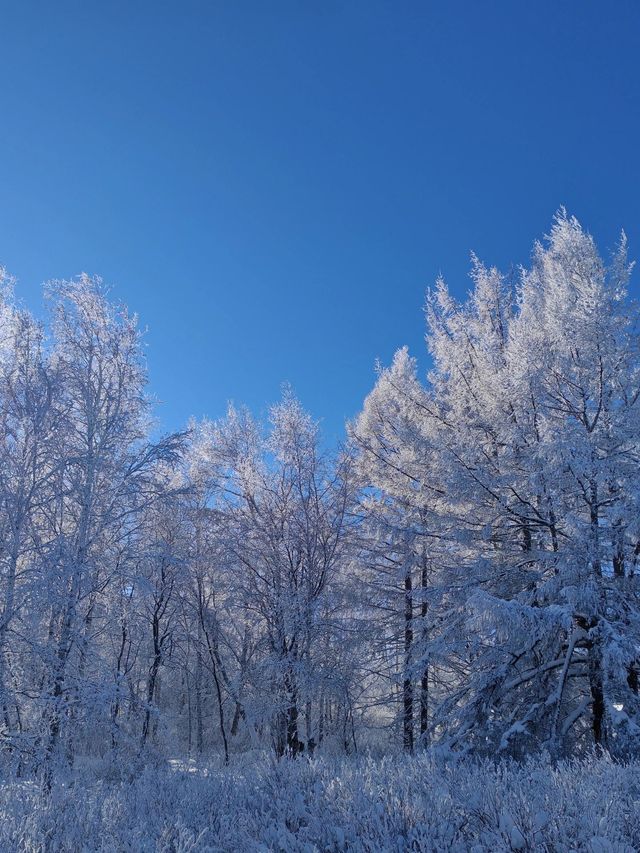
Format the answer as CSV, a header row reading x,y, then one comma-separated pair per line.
x,y
424,682
407,685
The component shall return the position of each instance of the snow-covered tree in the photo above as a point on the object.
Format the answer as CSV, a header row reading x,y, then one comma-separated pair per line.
x,y
284,510
526,436
463,575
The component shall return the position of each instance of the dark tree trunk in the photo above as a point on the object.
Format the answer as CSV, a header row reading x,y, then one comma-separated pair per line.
x,y
199,743
151,689
597,695
407,686
595,668
215,666
116,705
424,682
293,743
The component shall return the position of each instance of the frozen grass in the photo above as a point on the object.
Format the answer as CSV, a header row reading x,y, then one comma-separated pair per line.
x,y
357,804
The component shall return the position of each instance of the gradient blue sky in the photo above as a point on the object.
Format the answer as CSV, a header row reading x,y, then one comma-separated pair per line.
x,y
273,185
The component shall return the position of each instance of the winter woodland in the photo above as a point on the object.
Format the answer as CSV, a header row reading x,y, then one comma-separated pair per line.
x,y
454,586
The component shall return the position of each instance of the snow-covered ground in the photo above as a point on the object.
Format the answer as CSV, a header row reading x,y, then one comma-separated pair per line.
x,y
356,804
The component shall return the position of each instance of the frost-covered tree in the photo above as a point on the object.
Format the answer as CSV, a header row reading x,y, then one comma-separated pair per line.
x,y
79,473
527,437
463,574
29,423
398,544
284,511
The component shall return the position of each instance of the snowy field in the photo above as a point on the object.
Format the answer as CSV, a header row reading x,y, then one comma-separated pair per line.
x,y
357,804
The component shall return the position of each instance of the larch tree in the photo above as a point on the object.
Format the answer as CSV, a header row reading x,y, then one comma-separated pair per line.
x,y
527,430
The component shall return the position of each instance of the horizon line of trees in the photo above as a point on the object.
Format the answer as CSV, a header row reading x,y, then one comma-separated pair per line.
x,y
460,575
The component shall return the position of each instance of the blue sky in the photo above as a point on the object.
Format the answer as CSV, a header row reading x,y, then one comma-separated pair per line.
x,y
273,185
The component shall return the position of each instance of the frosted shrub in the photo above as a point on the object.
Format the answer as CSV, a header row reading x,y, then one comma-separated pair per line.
x,y
357,804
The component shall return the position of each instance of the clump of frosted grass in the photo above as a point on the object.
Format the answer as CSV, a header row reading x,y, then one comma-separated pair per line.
x,y
356,804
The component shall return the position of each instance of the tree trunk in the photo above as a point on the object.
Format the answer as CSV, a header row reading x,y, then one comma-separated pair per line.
x,y
407,686
424,682
293,744
215,666
199,743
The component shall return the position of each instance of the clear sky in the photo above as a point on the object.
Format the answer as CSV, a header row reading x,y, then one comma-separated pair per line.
x,y
273,185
